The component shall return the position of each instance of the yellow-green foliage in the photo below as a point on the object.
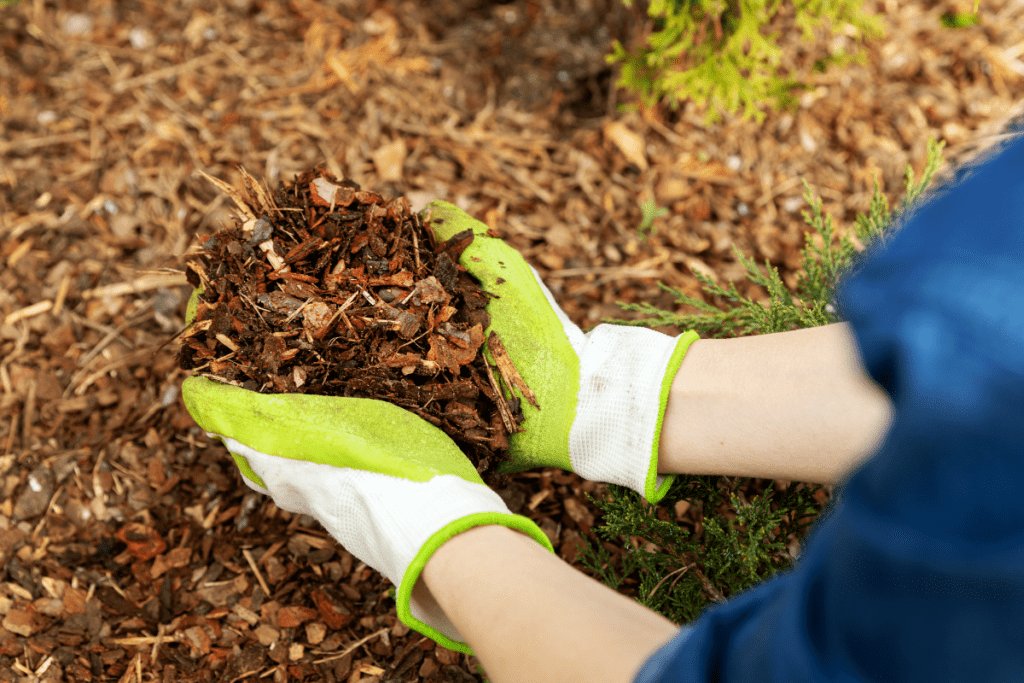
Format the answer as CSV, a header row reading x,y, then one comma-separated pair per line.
x,y
720,54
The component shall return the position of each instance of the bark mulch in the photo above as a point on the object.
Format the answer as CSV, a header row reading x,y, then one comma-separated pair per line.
x,y
130,550
328,289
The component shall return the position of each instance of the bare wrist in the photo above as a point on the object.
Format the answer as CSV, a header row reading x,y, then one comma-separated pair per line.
x,y
792,405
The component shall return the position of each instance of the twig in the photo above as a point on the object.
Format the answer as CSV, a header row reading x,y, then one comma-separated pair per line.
x,y
256,308
45,141
265,557
46,665
680,571
160,74
87,382
416,251
29,415
81,320
62,293
612,271
712,592
538,498
135,641
111,336
117,589
503,408
350,648
298,310
226,341
161,630
255,570
142,284
508,370
28,312
412,341
10,434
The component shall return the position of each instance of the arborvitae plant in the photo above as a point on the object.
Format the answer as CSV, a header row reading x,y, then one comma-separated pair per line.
x,y
719,53
751,529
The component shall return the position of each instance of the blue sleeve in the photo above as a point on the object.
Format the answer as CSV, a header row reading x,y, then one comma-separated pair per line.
x,y
916,574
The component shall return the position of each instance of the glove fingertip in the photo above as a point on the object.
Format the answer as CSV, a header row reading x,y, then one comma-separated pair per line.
x,y
445,219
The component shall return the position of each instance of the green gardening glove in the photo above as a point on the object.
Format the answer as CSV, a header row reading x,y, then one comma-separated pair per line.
x,y
601,395
386,484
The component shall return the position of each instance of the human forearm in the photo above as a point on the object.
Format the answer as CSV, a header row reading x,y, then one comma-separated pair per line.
x,y
792,405
531,617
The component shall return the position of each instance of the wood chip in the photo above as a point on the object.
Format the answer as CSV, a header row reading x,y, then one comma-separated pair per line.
x,y
508,370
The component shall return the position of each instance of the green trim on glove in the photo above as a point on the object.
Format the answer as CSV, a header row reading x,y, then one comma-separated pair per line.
x,y
192,306
343,432
412,573
532,334
654,493
246,470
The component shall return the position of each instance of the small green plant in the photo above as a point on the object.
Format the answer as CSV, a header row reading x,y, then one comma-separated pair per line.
x,y
720,54
960,19
750,529
682,572
649,211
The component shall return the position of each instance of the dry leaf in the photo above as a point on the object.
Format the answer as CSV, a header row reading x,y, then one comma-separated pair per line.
x,y
631,144
389,160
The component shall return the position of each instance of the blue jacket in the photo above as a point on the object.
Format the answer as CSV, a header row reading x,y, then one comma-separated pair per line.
x,y
917,572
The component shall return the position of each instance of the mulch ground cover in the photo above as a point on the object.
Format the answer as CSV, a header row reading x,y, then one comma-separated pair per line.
x,y
130,550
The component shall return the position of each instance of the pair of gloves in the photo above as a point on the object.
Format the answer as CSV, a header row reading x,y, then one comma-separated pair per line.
x,y
392,488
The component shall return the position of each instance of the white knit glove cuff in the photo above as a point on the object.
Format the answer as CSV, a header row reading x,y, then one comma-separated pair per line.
x,y
625,374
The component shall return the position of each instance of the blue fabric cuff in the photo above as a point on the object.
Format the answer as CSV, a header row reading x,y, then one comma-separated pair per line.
x,y
655,665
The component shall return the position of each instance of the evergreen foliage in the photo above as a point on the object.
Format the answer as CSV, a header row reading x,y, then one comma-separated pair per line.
x,y
751,529
718,53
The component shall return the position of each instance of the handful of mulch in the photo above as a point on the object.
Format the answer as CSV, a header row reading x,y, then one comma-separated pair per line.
x,y
328,289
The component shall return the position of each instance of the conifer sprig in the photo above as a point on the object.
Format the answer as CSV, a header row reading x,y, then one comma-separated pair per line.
x,y
720,54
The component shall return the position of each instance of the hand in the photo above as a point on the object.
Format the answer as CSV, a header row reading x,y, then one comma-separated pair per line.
x,y
601,395
392,496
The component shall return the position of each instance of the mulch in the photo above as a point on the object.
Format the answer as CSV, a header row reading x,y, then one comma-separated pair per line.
x,y
130,549
325,288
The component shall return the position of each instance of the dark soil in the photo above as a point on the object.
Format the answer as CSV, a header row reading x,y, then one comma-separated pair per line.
x,y
334,291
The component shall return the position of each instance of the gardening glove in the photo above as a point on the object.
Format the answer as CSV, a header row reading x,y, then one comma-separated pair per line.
x,y
386,484
601,395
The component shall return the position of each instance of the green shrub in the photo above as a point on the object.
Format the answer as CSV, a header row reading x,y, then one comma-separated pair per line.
x,y
749,525
719,54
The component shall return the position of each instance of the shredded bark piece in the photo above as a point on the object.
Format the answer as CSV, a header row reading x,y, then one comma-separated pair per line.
x,y
508,369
